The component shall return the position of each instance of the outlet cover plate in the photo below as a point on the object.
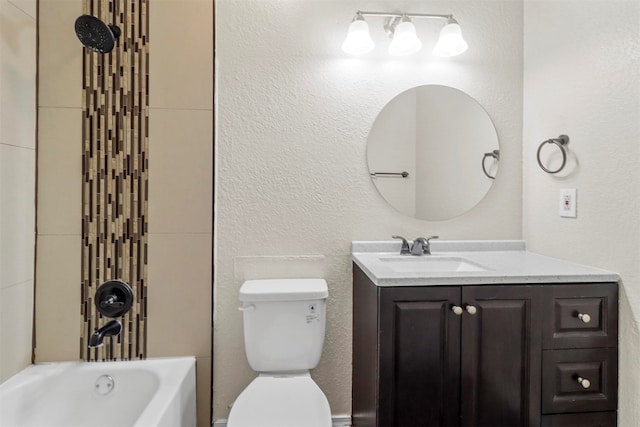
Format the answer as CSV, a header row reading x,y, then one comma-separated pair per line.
x,y
568,203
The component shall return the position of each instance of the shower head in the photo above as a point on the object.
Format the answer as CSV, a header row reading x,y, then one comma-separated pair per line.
x,y
95,34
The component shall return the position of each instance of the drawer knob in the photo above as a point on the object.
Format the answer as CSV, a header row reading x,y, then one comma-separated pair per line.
x,y
584,317
585,383
471,309
457,310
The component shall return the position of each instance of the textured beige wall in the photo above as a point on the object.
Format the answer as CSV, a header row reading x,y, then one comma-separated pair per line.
x,y
180,184
17,182
581,78
292,180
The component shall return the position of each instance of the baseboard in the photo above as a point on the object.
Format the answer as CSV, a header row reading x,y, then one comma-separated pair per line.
x,y
337,421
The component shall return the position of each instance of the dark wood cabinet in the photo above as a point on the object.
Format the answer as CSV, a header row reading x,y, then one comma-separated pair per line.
x,y
500,356
419,356
580,355
467,355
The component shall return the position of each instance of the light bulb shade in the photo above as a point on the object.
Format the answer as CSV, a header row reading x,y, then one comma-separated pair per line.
x,y
358,39
405,41
450,42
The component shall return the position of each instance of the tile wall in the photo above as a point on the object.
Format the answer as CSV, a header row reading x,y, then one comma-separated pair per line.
x,y
115,138
180,158
17,182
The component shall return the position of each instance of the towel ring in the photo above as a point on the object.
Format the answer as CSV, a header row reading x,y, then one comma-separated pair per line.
x,y
561,142
495,154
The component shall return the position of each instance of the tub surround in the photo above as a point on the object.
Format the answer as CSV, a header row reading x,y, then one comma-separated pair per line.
x,y
144,235
17,182
502,261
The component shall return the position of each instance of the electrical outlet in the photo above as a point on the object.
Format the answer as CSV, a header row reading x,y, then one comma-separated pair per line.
x,y
568,203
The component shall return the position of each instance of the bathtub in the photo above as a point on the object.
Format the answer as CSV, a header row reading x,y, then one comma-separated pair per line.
x,y
141,393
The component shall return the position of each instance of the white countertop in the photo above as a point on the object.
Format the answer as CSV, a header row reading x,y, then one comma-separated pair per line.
x,y
505,261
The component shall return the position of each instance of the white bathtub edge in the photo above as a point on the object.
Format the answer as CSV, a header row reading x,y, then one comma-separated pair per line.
x,y
167,393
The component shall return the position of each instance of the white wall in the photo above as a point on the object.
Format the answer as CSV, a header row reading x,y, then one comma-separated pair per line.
x,y
581,78
17,181
293,114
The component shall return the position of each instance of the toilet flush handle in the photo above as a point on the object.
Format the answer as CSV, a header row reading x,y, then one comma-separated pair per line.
x,y
247,307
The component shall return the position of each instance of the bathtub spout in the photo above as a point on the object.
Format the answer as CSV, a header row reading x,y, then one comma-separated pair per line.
x,y
110,329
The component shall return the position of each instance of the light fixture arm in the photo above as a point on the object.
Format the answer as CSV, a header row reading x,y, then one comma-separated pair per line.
x,y
408,15
394,18
358,17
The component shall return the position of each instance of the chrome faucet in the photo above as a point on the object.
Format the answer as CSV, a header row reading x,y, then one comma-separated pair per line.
x,y
421,246
405,250
111,329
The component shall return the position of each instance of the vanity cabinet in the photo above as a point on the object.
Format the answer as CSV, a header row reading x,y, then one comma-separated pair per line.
x,y
485,355
580,356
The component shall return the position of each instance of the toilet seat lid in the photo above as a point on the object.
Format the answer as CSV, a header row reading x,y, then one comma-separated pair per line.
x,y
281,401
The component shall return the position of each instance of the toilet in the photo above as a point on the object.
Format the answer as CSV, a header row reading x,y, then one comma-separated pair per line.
x,y
284,325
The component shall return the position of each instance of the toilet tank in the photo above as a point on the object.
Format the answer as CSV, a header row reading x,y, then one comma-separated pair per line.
x,y
284,323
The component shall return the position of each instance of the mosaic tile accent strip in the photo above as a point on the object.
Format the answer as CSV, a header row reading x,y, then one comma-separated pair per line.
x,y
115,136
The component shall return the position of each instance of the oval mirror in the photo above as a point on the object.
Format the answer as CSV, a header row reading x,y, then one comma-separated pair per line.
x,y
433,152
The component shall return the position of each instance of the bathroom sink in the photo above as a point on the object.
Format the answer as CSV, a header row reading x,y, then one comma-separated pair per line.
x,y
429,264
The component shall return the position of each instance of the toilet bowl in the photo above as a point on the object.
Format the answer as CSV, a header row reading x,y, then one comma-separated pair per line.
x,y
284,325
281,401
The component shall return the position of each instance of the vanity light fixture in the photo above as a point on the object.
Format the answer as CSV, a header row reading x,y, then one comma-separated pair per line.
x,y
358,39
404,41
450,42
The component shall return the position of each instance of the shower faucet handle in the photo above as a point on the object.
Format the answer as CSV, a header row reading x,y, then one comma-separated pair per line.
x,y
114,298
111,301
405,250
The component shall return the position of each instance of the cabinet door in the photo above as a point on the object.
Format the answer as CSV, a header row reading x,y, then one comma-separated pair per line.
x,y
500,356
419,357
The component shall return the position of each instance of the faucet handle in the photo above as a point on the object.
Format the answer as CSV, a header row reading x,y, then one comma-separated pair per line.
x,y
114,298
405,250
423,248
111,301
425,240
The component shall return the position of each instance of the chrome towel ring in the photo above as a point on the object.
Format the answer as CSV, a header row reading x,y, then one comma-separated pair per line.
x,y
561,142
495,154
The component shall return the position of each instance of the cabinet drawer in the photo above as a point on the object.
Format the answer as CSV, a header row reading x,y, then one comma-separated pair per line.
x,y
579,380
581,316
589,419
